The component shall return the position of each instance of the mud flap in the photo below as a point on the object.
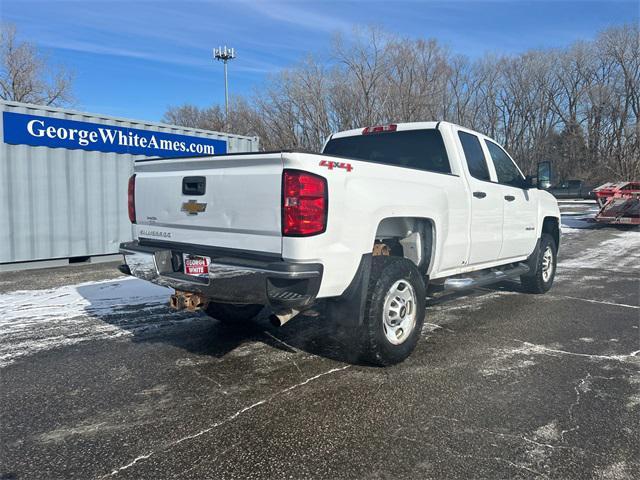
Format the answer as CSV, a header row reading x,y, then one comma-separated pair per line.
x,y
348,309
532,261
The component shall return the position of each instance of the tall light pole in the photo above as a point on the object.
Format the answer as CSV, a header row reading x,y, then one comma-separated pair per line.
x,y
225,54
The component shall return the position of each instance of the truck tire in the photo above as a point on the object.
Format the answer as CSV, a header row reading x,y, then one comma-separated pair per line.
x,y
541,280
394,310
230,313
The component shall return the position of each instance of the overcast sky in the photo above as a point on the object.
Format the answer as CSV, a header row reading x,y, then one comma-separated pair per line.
x,y
133,58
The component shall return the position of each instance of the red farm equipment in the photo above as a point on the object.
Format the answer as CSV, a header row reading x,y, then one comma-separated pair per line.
x,y
619,203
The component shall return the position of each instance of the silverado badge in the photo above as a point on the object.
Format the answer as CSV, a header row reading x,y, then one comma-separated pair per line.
x,y
192,207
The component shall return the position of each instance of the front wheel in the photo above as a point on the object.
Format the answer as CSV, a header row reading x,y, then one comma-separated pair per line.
x,y
229,312
394,311
541,279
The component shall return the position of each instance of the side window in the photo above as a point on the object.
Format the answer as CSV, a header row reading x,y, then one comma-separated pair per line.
x,y
475,156
506,170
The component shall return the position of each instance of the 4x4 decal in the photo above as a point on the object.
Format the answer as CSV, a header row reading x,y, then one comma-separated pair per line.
x,y
330,164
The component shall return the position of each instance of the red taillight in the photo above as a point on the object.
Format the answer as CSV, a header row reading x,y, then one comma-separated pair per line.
x,y
380,128
132,198
304,203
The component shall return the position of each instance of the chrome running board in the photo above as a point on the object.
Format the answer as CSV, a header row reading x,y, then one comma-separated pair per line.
x,y
480,279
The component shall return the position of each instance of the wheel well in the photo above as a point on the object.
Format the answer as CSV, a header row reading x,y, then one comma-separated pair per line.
x,y
407,237
550,226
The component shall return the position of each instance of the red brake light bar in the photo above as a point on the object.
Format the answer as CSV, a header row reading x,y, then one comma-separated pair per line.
x,y
392,127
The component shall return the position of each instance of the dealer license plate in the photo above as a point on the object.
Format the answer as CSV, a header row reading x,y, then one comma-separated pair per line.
x,y
195,265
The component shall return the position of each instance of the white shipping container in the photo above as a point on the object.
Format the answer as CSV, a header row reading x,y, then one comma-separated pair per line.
x,y
70,201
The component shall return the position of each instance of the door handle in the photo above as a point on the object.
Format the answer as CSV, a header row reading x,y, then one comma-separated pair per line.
x,y
479,194
509,198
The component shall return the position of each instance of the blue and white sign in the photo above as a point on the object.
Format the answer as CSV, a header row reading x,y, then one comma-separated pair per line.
x,y
37,131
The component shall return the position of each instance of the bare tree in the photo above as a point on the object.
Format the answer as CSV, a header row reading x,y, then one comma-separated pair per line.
x,y
194,117
576,106
366,64
27,76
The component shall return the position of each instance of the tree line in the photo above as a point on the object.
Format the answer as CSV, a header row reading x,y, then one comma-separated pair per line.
x,y
576,106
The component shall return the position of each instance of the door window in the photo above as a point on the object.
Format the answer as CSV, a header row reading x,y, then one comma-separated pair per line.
x,y
506,170
476,161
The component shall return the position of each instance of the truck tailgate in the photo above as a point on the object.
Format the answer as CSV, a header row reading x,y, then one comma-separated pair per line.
x,y
240,207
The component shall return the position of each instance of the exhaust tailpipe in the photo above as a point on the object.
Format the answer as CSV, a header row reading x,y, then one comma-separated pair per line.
x,y
279,319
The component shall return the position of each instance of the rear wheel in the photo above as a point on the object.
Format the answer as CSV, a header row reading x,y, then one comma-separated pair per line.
x,y
232,312
541,279
395,310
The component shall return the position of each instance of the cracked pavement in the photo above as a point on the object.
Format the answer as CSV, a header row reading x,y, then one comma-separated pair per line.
x,y
502,385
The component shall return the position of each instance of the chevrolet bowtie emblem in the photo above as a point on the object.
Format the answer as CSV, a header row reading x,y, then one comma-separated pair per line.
x,y
192,207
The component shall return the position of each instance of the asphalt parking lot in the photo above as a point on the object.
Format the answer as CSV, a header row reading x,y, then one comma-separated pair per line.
x,y
98,379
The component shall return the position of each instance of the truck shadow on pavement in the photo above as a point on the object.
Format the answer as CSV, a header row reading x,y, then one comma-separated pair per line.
x,y
139,311
149,319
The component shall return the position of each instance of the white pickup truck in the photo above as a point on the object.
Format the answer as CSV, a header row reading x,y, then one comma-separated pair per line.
x,y
367,225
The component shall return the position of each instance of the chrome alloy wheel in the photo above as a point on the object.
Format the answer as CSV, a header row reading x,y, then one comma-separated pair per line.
x,y
547,264
399,314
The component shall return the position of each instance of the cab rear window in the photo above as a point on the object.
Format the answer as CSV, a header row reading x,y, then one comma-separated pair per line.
x,y
419,149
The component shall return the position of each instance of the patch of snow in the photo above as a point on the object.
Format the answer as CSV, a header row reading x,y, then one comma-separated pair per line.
x,y
633,401
616,471
620,252
573,201
515,359
37,320
549,432
566,230
507,361
100,298
430,327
